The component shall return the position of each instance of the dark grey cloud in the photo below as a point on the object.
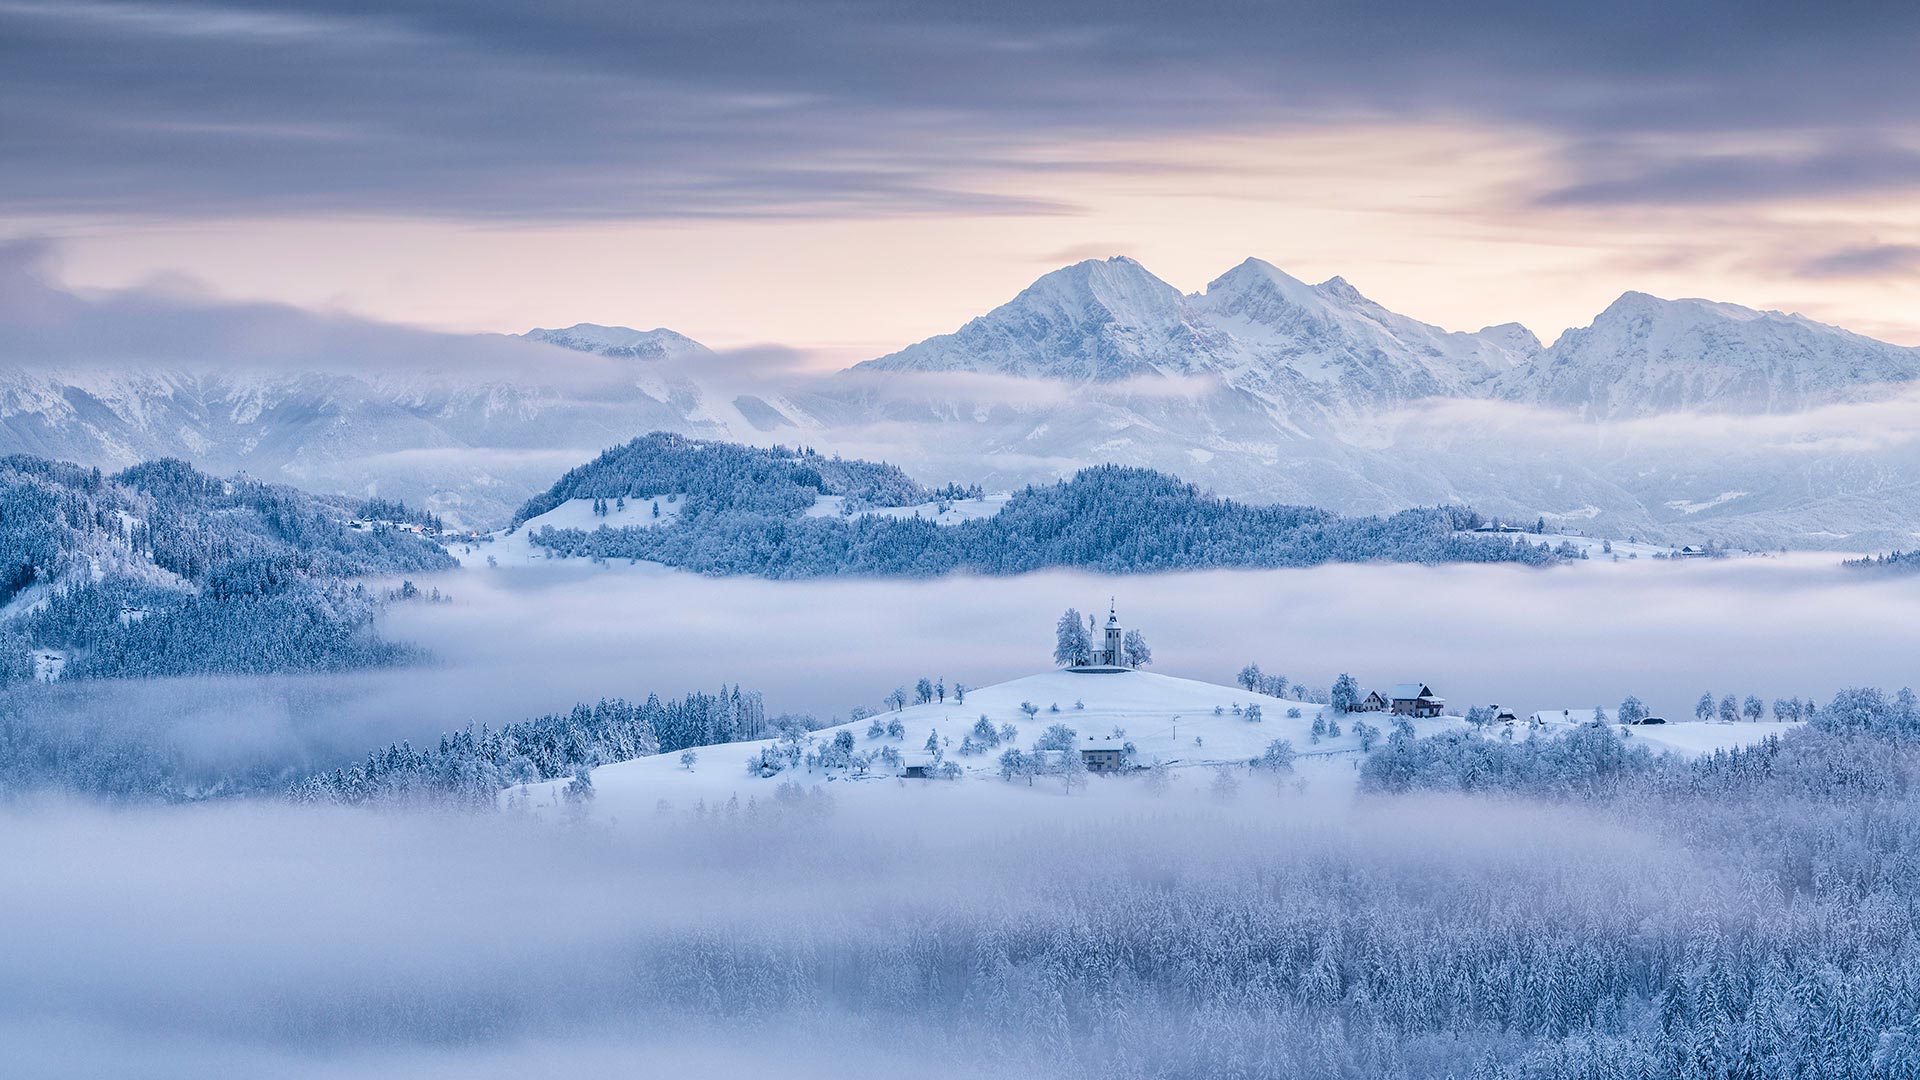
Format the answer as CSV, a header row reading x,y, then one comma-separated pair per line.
x,y
1867,260
602,108
43,325
1667,178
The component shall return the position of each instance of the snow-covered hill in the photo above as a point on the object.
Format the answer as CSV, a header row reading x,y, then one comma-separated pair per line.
x,y
1183,723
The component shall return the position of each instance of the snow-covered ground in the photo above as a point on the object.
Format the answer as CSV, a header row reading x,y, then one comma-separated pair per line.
x,y
942,512
1188,725
516,548
1687,738
1597,547
1181,722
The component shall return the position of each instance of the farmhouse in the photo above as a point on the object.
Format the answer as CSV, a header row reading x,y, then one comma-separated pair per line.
x,y
1373,702
1104,753
1417,700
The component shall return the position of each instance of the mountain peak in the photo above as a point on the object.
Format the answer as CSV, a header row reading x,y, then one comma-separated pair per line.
x,y
621,342
1337,288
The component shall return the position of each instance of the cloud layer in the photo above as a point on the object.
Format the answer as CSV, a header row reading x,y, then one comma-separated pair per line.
x,y
689,108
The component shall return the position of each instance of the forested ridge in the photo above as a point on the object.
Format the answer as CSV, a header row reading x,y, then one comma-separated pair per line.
x,y
743,514
163,570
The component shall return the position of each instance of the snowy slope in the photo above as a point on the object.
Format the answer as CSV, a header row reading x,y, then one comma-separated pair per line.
x,y
1643,356
621,342
1291,344
1168,719
514,547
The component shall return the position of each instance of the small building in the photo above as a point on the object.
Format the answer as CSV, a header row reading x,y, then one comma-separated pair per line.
x,y
1504,715
1690,552
1416,700
1104,753
919,765
1373,702
1109,651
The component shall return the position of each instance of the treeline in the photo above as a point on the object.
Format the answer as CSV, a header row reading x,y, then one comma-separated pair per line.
x,y
1598,760
469,768
1893,562
162,570
378,509
726,478
1111,519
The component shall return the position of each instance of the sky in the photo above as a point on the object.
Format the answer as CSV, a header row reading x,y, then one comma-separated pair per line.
x,y
844,178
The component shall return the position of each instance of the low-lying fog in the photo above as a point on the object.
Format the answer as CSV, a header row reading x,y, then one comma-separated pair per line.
x,y
515,643
253,939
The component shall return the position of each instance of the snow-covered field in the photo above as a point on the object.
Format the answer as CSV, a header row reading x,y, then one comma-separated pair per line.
x,y
1186,724
515,548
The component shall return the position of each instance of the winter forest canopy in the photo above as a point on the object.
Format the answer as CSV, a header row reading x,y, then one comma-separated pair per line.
x,y
744,514
162,570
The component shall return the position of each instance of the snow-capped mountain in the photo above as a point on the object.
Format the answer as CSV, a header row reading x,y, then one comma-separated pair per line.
x,y
1260,386
1324,347
1644,356
1331,341
620,342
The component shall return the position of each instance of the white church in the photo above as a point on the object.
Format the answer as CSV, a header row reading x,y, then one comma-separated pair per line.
x,y
1109,651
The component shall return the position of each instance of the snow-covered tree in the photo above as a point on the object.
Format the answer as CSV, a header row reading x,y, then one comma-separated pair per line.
x,y
1249,677
1073,770
1057,737
1134,650
923,691
1703,709
687,759
1226,786
1631,710
1729,709
1277,758
1345,695
1753,708
1073,644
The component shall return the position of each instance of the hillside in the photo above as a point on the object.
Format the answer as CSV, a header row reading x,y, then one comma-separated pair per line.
x,y
750,511
1187,725
162,570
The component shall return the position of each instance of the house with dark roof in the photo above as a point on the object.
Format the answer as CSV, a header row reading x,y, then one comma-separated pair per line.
x,y
1417,700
